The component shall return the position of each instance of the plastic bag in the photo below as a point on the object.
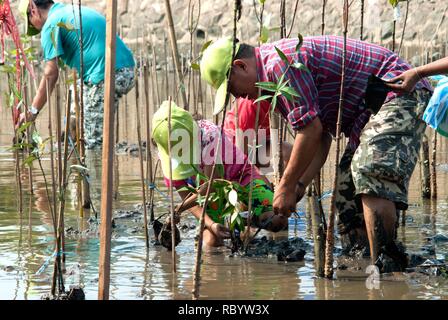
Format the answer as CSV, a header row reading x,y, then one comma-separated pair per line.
x,y
436,112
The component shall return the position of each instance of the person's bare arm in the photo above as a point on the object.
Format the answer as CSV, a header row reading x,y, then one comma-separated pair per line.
x,y
410,78
51,74
305,147
218,229
318,161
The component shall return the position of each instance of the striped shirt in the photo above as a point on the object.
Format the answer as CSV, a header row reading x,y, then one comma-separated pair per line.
x,y
319,86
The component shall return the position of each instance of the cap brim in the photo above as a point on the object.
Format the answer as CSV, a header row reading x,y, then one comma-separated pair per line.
x,y
180,171
220,98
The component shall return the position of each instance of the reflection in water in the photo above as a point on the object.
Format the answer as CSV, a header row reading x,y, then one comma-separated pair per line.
x,y
27,242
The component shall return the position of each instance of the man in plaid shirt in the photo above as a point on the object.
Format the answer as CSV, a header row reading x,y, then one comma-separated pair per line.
x,y
383,145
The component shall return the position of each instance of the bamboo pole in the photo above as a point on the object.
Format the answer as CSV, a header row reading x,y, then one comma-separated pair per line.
x,y
318,234
425,170
175,53
140,153
149,164
173,224
324,4
28,139
198,258
330,228
108,152
85,185
361,34
433,166
64,173
78,143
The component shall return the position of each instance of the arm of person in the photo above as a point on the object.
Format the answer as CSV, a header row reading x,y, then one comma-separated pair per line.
x,y
51,75
191,201
305,147
410,77
316,164
217,229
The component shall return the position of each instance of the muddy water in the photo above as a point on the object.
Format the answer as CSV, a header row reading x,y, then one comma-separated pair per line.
x,y
136,273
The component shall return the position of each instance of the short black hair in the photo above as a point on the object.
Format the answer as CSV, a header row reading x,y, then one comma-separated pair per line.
x,y
245,51
43,4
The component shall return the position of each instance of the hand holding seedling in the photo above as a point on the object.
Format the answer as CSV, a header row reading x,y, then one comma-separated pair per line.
x,y
284,200
220,231
29,117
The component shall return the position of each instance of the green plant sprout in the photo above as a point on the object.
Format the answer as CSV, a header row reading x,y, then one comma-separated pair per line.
x,y
281,88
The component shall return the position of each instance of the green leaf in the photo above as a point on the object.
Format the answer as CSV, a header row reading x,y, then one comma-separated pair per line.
x,y
195,66
36,138
67,26
24,126
28,161
205,46
188,189
299,45
261,1
291,91
300,66
394,3
282,56
262,98
264,34
220,168
268,86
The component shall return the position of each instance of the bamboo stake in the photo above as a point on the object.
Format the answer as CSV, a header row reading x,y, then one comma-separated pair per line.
x,y
433,166
361,36
140,153
155,82
198,261
404,27
425,171
324,4
108,152
28,139
173,224
57,274
149,164
175,52
85,186
318,235
64,173
330,228
78,142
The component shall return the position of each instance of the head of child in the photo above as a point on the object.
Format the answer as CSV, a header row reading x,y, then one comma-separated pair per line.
x,y
183,137
216,63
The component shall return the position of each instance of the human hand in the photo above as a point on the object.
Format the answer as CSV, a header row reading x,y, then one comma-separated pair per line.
x,y
285,199
22,119
219,230
176,219
405,82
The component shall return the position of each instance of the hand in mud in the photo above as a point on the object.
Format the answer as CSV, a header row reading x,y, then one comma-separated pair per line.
x,y
30,117
220,231
405,82
284,200
176,219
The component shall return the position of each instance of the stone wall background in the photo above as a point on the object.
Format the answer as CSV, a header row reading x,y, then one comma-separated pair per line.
x,y
427,20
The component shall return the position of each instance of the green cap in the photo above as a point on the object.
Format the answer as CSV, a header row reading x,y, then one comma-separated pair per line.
x,y
30,30
184,138
215,64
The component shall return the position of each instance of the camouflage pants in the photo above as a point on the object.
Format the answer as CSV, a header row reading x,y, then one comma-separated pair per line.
x,y
94,105
383,163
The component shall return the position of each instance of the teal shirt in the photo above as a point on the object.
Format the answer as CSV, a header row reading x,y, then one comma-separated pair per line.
x,y
57,41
